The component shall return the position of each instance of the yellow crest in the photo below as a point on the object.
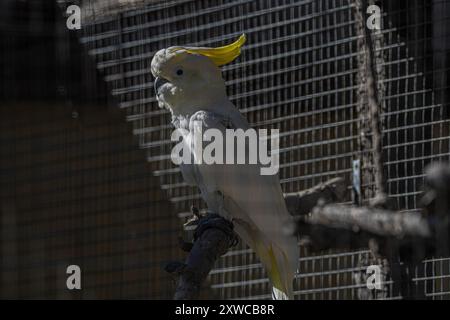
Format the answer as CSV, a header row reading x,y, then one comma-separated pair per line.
x,y
220,55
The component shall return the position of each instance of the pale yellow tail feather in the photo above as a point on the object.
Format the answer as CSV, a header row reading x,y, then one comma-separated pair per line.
x,y
280,290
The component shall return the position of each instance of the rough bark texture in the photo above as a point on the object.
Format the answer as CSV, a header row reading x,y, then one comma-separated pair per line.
x,y
376,221
370,69
213,237
370,106
301,203
206,250
371,87
383,231
415,235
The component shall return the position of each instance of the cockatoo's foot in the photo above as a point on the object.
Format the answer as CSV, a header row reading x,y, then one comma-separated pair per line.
x,y
213,220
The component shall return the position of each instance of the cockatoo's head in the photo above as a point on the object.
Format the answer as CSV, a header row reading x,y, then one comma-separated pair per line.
x,y
188,79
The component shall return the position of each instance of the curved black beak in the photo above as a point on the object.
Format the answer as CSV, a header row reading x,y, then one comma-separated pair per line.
x,y
158,83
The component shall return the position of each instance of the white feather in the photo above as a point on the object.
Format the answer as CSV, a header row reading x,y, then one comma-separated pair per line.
x,y
240,193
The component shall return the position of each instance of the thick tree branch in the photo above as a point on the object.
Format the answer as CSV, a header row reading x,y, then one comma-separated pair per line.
x,y
348,227
213,237
415,235
301,203
379,222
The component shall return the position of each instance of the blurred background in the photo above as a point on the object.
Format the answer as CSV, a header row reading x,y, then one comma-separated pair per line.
x,y
85,170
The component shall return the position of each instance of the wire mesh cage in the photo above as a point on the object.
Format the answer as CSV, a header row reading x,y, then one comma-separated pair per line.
x,y
299,72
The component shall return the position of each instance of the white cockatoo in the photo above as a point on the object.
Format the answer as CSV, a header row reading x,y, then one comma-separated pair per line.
x,y
189,83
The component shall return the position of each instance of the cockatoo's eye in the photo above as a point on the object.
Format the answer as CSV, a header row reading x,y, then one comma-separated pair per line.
x,y
179,72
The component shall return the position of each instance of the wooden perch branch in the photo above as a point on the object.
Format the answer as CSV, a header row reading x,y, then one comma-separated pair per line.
x,y
213,237
301,203
372,220
415,235
348,227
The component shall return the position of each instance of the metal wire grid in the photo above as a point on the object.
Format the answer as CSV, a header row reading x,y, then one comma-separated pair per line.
x,y
297,73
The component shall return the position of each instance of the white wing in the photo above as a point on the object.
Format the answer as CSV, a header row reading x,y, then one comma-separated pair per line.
x,y
253,201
